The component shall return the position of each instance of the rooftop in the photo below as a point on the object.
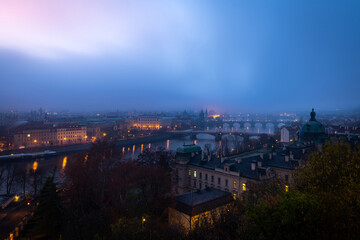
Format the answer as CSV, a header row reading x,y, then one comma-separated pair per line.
x,y
188,149
202,200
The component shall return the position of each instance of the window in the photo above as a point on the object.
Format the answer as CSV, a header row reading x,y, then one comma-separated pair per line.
x,y
286,178
200,185
234,184
200,175
219,181
244,187
189,172
194,183
205,176
226,182
212,178
194,173
286,188
234,196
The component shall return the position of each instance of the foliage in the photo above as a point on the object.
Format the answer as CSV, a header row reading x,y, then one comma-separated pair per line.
x,y
102,188
47,220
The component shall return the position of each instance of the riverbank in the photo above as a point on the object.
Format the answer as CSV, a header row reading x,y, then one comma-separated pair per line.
x,y
85,146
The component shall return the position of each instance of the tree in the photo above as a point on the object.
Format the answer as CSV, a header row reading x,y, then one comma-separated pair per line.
x,y
22,179
333,176
48,217
10,177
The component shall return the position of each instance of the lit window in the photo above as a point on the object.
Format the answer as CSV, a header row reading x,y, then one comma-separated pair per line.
x,y
286,188
244,187
195,174
28,135
234,195
189,172
234,184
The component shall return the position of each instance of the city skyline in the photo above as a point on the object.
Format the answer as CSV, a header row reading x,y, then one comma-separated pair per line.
x,y
234,56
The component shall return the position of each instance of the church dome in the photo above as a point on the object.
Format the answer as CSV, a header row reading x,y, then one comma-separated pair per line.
x,y
313,126
312,131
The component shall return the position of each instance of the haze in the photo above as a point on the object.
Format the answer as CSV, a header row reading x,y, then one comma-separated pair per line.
x,y
175,55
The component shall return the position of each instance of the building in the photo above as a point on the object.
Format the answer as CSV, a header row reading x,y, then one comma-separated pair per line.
x,y
289,134
36,135
152,122
194,207
312,132
195,170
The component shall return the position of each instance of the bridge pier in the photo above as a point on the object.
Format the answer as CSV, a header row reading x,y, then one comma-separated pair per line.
x,y
218,137
193,136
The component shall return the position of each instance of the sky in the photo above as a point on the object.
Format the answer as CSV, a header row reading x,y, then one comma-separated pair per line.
x,y
87,55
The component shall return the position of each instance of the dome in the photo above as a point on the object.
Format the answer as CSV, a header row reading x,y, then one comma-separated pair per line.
x,y
188,149
313,126
312,131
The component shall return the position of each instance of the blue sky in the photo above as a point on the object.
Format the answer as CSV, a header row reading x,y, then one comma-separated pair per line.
x,y
175,55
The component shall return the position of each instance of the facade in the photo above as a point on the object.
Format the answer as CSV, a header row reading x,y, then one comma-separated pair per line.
x,y
194,170
49,135
194,207
147,123
289,134
152,122
285,135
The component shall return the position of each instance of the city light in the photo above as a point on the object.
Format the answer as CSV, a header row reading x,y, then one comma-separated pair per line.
x,y
16,198
64,162
35,166
28,135
35,141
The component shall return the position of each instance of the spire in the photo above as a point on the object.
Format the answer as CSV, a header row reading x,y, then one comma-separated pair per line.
x,y
312,115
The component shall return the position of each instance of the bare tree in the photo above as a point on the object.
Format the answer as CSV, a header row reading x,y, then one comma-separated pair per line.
x,y
37,178
2,171
22,178
10,177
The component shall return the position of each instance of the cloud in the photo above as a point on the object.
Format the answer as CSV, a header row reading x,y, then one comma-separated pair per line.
x,y
58,29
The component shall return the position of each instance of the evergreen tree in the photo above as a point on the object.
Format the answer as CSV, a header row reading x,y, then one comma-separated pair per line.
x,y
47,220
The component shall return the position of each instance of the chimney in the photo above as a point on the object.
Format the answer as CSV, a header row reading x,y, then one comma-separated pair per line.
x,y
209,157
259,164
261,155
291,156
253,165
286,158
202,155
270,156
239,160
222,159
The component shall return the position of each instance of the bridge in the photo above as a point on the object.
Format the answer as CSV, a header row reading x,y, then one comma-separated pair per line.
x,y
217,134
237,126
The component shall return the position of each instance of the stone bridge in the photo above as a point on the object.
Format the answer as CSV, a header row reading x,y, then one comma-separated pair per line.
x,y
238,126
217,134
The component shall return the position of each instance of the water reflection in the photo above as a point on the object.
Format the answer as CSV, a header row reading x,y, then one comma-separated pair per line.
x,y
35,166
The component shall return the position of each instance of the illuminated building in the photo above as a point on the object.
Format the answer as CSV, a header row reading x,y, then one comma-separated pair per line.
x,y
234,174
151,122
49,135
201,205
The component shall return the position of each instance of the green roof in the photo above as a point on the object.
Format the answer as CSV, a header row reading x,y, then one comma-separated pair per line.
x,y
188,149
313,126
